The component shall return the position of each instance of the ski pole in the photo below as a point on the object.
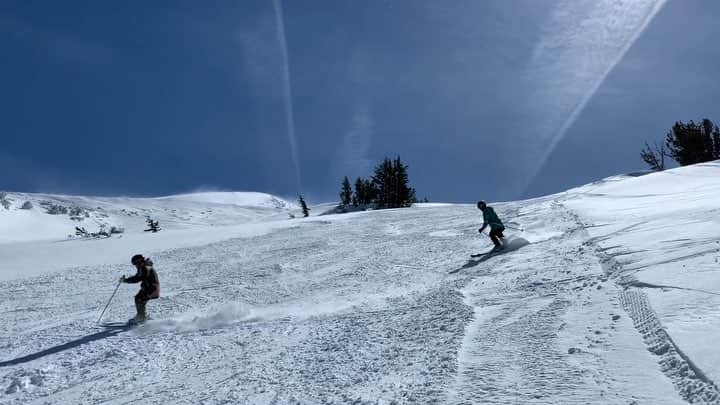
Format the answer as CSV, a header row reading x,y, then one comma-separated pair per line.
x,y
108,303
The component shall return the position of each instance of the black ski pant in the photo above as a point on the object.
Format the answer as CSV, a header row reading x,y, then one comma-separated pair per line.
x,y
496,235
141,299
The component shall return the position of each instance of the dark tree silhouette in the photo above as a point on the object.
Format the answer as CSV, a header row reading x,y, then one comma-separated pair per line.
x,y
392,184
153,226
388,187
371,192
346,194
654,156
690,143
365,192
359,193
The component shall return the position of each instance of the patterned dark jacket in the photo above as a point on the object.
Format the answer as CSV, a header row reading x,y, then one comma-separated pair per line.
x,y
148,279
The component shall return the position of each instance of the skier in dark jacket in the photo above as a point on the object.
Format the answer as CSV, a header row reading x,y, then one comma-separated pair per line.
x,y
149,285
496,226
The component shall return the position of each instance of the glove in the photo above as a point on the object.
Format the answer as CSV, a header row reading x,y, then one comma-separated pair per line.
x,y
122,278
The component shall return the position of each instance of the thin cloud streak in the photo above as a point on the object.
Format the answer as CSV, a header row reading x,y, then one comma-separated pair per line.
x,y
352,156
287,87
582,45
59,45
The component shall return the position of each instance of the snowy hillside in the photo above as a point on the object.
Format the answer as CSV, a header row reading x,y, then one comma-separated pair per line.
x,y
610,294
45,217
31,223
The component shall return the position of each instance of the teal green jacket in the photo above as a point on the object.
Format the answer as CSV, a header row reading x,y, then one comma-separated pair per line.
x,y
491,218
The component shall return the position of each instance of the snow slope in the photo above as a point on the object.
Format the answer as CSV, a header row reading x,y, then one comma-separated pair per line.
x,y
609,296
186,220
53,217
660,234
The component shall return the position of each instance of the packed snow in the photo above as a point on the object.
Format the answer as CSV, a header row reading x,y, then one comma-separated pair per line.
x,y
607,293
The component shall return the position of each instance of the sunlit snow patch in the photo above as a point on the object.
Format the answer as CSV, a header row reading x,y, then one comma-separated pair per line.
x,y
218,317
514,243
234,313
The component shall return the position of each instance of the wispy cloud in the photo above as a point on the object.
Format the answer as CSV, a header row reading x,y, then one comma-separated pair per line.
x,y
20,174
582,42
265,59
60,45
287,90
352,155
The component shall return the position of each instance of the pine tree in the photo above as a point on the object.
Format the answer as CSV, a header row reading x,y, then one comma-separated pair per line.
x,y
654,157
392,185
371,192
405,195
690,143
346,193
708,146
153,225
304,207
383,181
358,193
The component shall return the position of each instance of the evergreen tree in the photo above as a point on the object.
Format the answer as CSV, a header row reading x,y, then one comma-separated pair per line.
x,y
153,225
383,181
690,143
304,207
371,192
405,195
365,192
392,185
654,157
357,194
346,192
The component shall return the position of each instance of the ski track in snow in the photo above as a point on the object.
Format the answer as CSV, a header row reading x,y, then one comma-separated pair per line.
x,y
354,309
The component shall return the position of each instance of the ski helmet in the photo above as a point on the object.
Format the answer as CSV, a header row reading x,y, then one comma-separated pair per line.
x,y
137,259
481,204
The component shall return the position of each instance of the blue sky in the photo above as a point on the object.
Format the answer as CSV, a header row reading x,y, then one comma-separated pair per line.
x,y
483,99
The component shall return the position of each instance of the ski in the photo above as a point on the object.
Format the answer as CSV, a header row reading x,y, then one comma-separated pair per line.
x,y
491,252
117,325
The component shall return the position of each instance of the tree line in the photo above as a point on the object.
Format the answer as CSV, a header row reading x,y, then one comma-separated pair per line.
x,y
686,143
388,187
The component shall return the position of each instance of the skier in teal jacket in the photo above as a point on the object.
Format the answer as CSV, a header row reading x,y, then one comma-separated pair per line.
x,y
496,226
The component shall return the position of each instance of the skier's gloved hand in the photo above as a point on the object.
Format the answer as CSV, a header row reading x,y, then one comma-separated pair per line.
x,y
122,278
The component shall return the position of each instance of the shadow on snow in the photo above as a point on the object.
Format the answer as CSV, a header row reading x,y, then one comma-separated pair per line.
x,y
510,246
111,330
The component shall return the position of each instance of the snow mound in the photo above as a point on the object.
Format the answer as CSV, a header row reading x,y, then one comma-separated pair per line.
x,y
515,243
242,199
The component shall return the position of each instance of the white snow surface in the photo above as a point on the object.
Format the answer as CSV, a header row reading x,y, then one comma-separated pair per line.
x,y
611,294
185,211
186,220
